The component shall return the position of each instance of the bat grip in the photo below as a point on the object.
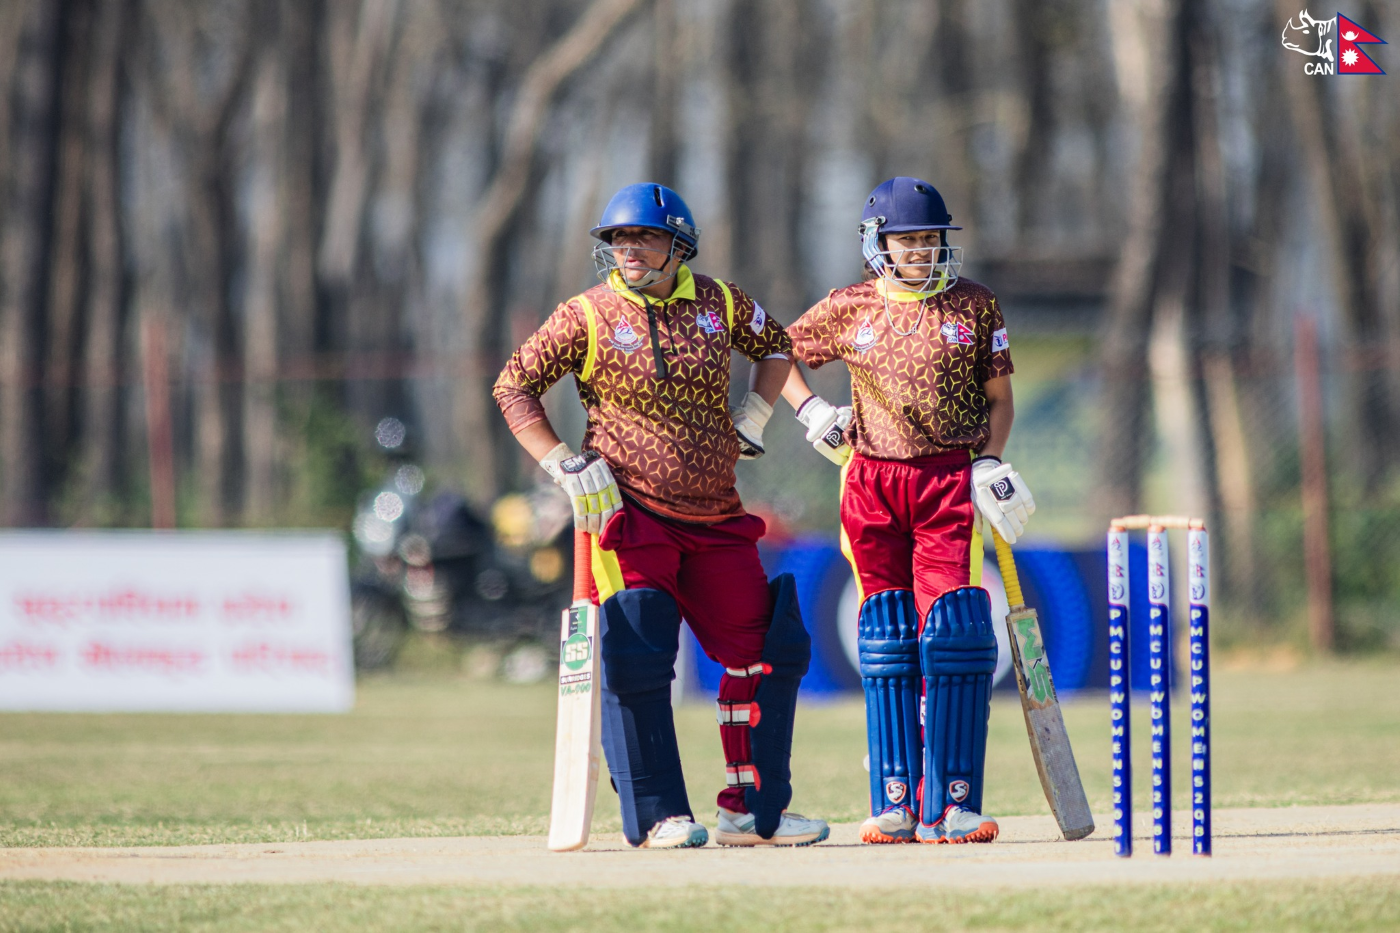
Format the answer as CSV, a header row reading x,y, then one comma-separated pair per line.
x,y
583,565
1009,579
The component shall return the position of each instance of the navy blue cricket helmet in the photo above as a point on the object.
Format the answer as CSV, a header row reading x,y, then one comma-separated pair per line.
x,y
902,205
655,206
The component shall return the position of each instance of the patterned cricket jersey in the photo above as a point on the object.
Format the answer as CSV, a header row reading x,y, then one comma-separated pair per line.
x,y
916,395
667,436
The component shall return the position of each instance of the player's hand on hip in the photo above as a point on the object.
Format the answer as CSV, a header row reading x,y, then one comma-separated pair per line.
x,y
826,428
1002,497
749,420
589,483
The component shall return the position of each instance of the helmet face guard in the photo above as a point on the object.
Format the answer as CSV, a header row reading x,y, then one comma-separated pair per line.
x,y
654,207
939,273
906,205
605,261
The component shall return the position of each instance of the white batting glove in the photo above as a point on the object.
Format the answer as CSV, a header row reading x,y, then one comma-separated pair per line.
x,y
749,421
589,483
826,428
1002,497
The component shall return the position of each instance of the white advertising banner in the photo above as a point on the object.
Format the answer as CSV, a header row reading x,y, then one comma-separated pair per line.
x,y
174,621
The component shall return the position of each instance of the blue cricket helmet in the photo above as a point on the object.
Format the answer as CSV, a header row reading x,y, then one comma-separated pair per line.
x,y
903,204
655,206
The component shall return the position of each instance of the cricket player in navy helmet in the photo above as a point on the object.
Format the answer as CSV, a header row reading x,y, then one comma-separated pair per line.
x,y
919,448
650,351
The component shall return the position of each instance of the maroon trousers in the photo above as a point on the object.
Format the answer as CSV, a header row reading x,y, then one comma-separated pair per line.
x,y
714,575
908,525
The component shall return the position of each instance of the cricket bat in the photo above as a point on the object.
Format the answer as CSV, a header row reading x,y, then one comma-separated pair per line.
x,y
1054,759
578,735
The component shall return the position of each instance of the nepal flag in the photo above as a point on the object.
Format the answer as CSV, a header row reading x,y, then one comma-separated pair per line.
x,y
1350,59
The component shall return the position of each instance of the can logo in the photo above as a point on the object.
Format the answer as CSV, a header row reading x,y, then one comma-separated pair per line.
x,y
865,336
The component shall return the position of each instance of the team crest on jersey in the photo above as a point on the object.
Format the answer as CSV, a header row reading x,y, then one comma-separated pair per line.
x,y
760,317
624,338
865,336
1000,341
958,332
958,790
896,791
709,321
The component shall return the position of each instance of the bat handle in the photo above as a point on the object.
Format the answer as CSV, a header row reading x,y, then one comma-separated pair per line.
x,y
1009,579
583,565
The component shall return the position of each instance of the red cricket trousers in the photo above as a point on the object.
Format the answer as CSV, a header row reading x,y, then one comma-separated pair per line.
x,y
908,525
714,575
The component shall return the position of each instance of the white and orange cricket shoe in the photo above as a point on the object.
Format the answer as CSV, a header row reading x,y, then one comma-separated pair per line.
x,y
894,825
959,824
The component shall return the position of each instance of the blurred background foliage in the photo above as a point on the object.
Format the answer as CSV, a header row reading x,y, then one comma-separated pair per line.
x,y
239,233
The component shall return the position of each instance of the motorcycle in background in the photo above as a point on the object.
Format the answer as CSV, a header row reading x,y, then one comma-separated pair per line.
x,y
430,563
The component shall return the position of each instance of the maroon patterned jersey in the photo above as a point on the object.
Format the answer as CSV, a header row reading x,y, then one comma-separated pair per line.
x,y
669,441
912,395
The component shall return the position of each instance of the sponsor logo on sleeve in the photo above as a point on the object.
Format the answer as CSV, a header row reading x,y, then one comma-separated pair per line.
x,y
1000,341
760,317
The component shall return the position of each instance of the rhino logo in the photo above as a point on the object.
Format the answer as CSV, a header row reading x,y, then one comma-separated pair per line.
x,y
1310,36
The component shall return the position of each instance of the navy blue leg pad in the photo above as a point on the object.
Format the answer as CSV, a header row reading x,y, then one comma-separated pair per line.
x,y
640,632
959,655
787,650
889,671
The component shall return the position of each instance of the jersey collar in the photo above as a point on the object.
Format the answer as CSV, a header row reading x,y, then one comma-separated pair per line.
x,y
684,290
882,285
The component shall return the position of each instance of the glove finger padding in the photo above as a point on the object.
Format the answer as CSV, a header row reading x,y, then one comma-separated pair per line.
x,y
826,428
1002,497
749,420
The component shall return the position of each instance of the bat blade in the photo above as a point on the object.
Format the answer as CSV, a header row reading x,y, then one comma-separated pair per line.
x,y
1045,725
578,735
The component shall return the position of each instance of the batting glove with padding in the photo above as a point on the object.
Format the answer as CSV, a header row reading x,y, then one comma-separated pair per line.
x,y
589,483
826,428
1002,497
749,421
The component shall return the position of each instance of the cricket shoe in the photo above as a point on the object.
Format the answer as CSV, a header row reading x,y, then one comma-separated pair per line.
x,y
676,832
737,829
959,824
894,825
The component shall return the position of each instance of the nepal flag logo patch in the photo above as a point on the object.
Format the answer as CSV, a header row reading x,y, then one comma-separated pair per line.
x,y
1314,38
959,333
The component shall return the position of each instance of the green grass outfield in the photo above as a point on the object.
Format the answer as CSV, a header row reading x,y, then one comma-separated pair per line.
x,y
1371,904
444,756
440,756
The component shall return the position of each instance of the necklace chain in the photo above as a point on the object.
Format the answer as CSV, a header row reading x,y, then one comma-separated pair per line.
x,y
923,308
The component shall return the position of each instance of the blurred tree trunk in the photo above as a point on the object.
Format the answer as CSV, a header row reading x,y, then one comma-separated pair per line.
x,y
24,244
1147,53
267,131
102,360
1348,202
67,260
475,424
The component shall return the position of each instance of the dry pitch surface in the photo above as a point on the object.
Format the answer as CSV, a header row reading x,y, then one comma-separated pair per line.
x,y
1251,845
